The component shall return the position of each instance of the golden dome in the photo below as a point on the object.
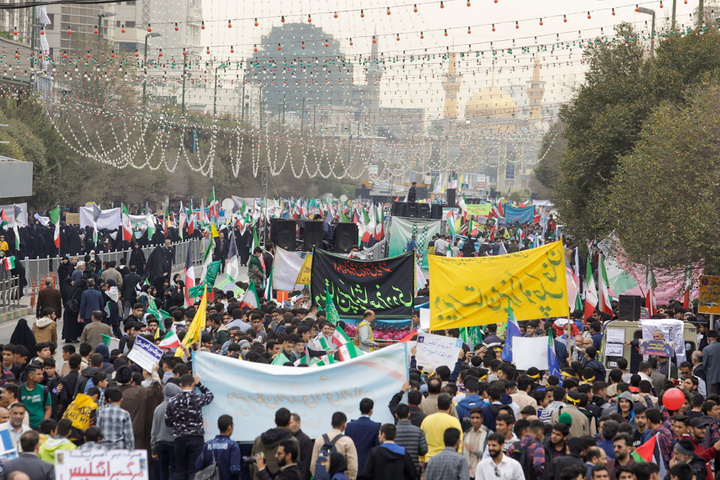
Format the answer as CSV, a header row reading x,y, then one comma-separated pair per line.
x,y
490,102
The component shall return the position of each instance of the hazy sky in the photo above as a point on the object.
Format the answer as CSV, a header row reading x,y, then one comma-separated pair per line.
x,y
419,83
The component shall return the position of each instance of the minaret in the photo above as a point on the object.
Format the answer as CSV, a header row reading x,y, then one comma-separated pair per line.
x,y
451,86
373,74
535,92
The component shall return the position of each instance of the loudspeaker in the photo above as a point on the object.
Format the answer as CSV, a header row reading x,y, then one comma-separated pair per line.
x,y
313,235
629,307
346,237
423,210
450,197
412,209
399,209
282,233
436,211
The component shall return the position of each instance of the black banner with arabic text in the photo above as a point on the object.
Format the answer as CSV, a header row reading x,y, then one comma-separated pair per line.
x,y
383,286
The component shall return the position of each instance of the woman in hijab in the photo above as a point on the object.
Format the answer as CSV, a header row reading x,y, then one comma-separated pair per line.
x,y
22,335
66,287
65,268
137,258
111,295
71,328
337,466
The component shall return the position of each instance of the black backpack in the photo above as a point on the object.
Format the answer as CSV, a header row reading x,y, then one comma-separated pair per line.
x,y
327,448
525,459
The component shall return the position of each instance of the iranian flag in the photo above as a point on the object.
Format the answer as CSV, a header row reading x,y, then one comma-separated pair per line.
x,y
55,219
3,218
348,351
214,206
650,285
603,290
126,226
650,452
591,295
9,263
368,225
182,220
380,225
189,278
339,337
251,297
170,340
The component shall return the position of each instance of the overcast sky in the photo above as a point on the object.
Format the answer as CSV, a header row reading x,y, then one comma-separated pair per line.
x,y
414,86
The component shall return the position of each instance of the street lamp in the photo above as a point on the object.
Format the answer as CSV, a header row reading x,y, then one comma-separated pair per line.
x,y
184,77
102,15
147,35
648,11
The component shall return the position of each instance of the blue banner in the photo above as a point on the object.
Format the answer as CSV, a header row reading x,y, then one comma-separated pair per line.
x,y
519,214
252,392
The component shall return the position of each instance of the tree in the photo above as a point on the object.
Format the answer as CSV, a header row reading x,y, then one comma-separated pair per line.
x,y
547,173
666,193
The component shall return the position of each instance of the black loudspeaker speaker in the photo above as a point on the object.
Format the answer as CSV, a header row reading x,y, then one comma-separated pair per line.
x,y
412,210
399,209
629,307
436,211
313,235
346,237
493,193
450,197
282,233
423,210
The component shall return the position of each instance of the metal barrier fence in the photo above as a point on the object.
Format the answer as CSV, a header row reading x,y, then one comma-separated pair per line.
x,y
36,269
9,298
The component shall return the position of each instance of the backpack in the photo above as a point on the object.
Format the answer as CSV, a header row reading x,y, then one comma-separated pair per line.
x,y
525,460
327,448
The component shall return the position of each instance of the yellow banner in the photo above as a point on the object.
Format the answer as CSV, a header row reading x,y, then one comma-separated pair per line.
x,y
476,291
303,277
480,209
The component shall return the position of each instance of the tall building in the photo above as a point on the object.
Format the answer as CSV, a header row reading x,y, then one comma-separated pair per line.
x,y
451,86
373,74
69,23
535,92
16,20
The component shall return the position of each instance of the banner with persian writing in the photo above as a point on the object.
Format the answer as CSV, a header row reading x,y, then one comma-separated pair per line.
x,y
477,290
479,209
383,286
252,392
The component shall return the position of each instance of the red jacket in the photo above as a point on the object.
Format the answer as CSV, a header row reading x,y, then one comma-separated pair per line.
x,y
706,454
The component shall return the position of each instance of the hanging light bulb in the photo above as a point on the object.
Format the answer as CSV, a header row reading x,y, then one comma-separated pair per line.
x,y
374,40
202,27
232,49
279,47
149,28
421,35
229,24
351,42
176,27
160,54
541,22
589,16
256,22
442,5
613,11
208,50
517,25
282,19
96,31
637,7
493,27
661,4
69,31
565,18
415,8
446,34
388,10
362,13
309,18
469,31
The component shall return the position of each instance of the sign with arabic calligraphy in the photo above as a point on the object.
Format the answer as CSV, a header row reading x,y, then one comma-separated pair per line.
x,y
709,295
480,209
477,290
115,464
384,286
252,392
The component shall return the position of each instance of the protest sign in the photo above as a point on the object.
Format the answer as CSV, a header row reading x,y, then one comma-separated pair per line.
x,y
709,295
145,354
657,348
477,291
673,332
111,464
614,349
615,335
481,209
252,392
425,318
436,350
7,449
530,352
385,286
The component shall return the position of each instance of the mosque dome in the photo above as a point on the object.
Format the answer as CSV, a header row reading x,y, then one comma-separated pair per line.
x,y
490,102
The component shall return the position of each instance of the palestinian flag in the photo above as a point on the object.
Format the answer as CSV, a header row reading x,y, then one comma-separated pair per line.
x,y
3,218
650,452
55,219
9,263
126,226
170,340
340,338
348,351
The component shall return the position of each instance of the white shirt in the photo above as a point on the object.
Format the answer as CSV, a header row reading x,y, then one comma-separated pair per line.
x,y
508,469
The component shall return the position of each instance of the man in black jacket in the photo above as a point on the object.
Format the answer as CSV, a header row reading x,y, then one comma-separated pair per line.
x,y
286,456
389,461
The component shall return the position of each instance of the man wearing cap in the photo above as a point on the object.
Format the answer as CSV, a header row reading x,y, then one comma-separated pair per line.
x,y
684,453
697,433
581,425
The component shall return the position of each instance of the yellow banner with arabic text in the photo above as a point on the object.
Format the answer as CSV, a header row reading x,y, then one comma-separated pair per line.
x,y
477,291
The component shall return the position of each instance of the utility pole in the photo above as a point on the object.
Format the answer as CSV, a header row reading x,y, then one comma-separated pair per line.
x,y
215,94
302,115
314,118
672,22
147,35
649,11
701,13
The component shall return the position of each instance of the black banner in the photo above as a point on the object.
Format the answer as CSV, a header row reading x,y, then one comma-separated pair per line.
x,y
383,286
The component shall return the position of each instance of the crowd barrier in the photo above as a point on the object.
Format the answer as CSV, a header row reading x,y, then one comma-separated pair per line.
x,y
9,298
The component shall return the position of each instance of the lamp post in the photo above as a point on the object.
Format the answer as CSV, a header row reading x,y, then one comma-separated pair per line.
x,y
216,87
184,78
147,35
102,15
648,11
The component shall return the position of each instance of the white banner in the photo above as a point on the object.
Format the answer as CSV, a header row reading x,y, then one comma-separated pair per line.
x,y
530,352
673,330
145,353
115,464
109,219
252,392
436,350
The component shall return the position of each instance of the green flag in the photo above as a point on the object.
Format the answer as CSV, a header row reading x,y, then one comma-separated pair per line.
x,y
55,215
281,359
212,272
330,311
